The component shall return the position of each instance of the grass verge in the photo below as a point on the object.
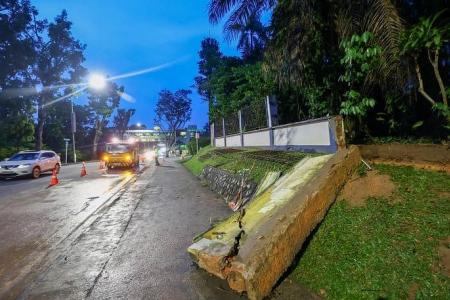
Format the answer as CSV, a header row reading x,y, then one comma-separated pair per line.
x,y
257,161
386,249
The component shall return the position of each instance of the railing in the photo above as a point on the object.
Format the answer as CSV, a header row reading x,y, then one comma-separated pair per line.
x,y
324,135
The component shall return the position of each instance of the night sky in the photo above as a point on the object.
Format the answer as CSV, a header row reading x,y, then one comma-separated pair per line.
x,y
124,36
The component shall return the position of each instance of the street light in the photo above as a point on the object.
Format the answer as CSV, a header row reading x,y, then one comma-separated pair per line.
x,y
97,82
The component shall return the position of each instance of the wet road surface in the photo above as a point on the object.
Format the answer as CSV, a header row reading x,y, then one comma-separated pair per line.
x,y
136,247
35,219
116,236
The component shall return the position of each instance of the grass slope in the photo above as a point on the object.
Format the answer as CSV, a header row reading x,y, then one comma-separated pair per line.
x,y
258,162
387,249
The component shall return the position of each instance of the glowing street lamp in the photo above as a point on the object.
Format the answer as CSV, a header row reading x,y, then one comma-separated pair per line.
x,y
138,124
97,81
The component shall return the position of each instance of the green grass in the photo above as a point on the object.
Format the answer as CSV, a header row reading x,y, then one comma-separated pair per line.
x,y
256,161
379,251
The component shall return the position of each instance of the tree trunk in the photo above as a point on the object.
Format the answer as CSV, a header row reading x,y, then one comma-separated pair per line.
x,y
97,135
421,88
435,63
40,126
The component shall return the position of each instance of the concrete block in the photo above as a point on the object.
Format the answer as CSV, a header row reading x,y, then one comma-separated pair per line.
x,y
254,247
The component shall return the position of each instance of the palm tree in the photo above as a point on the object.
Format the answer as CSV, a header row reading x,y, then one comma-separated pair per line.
x,y
382,19
297,23
241,10
252,37
243,23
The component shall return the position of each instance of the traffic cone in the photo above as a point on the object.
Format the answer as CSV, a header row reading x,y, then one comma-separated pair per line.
x,y
83,170
54,180
102,167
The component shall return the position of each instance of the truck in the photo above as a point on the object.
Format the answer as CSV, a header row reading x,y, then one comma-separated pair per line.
x,y
121,154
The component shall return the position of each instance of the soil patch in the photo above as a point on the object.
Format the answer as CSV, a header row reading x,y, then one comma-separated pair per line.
x,y
444,256
413,291
423,156
358,189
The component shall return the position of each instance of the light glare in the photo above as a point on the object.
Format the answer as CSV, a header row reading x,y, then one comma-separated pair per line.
x,y
97,81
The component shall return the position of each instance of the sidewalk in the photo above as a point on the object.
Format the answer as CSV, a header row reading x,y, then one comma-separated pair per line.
x,y
151,261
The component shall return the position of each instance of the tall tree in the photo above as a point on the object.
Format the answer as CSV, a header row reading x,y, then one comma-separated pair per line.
x,y
59,64
427,36
121,120
173,110
17,57
102,104
252,37
239,11
210,60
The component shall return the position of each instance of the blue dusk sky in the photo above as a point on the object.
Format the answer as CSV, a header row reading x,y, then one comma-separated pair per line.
x,y
124,36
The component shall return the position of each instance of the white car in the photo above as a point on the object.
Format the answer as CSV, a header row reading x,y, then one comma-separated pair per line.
x,y
30,163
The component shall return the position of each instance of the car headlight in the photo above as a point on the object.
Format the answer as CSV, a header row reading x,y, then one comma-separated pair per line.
x,y
24,166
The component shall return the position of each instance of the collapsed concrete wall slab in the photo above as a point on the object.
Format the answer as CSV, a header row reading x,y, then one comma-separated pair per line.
x,y
254,247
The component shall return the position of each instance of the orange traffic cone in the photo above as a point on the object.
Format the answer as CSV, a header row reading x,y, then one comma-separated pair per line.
x,y
54,180
83,170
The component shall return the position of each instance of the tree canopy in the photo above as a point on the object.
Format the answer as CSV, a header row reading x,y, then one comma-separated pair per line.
x,y
41,69
383,64
173,110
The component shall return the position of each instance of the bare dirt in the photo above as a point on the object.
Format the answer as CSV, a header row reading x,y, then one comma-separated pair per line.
x,y
444,256
423,156
413,291
373,184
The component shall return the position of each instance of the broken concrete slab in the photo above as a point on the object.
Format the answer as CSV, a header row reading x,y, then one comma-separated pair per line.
x,y
267,181
254,247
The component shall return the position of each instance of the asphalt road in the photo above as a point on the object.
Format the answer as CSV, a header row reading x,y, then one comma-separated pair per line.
x,y
35,219
121,235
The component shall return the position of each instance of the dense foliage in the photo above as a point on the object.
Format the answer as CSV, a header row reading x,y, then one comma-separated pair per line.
x,y
41,68
383,64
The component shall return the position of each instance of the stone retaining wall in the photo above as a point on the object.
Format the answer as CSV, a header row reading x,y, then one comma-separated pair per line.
x,y
226,184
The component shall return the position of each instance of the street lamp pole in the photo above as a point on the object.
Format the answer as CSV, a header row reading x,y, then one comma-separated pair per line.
x,y
67,145
74,126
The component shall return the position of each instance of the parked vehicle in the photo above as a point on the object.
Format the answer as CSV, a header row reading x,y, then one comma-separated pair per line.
x,y
121,154
30,163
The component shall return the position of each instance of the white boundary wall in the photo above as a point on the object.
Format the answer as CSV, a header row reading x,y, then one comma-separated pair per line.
x,y
219,142
303,134
256,138
234,140
318,135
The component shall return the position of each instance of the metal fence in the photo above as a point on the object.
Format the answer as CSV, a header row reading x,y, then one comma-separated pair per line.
x,y
254,117
257,126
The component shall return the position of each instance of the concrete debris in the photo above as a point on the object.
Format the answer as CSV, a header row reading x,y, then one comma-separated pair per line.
x,y
258,244
267,181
